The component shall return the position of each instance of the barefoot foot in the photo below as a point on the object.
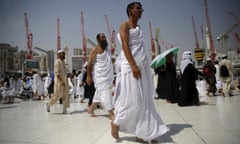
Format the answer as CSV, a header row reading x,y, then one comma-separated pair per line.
x,y
92,114
139,140
114,132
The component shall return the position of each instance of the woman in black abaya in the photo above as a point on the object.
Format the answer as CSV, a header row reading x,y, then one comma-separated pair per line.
x,y
168,87
188,92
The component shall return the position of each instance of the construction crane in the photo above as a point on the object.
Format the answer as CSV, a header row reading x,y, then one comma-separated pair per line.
x,y
195,33
29,38
223,37
58,35
41,50
152,40
90,42
236,34
235,17
158,47
163,43
198,52
202,34
111,35
84,45
46,58
209,32
113,45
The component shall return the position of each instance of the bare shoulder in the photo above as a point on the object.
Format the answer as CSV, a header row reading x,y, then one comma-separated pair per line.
x,y
124,26
93,50
92,55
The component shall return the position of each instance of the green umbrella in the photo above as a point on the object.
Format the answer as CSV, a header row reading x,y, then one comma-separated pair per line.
x,y
160,59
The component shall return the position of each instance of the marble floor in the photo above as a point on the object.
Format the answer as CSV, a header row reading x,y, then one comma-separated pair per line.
x,y
28,122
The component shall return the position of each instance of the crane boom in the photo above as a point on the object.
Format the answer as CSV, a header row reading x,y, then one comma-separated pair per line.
x,y
108,27
225,34
195,33
202,34
209,32
113,45
235,17
224,37
152,41
29,37
90,42
27,30
84,45
111,35
42,50
58,35
158,48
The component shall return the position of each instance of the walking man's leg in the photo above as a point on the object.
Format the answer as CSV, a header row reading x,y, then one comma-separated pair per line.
x,y
52,101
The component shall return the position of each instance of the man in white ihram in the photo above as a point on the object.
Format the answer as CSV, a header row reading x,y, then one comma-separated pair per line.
x,y
100,60
134,109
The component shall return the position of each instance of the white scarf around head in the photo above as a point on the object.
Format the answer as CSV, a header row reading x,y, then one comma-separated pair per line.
x,y
186,59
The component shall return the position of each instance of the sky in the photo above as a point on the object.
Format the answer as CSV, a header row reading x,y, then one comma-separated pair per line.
x,y
173,17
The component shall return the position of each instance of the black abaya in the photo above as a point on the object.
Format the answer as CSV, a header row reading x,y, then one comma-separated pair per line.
x,y
189,92
168,87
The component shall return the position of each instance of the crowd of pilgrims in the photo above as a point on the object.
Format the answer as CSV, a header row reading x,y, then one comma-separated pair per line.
x,y
169,85
37,86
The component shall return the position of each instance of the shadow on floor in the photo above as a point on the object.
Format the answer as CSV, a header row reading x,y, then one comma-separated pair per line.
x,y
174,129
79,111
6,106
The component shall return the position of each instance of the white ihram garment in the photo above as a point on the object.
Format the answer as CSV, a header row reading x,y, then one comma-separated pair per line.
x,y
40,87
217,75
36,79
79,81
47,82
135,111
103,79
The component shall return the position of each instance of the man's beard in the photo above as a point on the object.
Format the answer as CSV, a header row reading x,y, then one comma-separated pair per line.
x,y
103,44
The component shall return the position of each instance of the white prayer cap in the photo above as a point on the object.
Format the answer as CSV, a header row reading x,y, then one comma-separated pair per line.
x,y
224,56
60,51
208,59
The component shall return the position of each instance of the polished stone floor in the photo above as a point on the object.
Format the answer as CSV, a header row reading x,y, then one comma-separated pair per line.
x,y
27,122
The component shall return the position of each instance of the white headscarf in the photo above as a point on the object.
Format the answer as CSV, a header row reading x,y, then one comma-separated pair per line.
x,y
186,59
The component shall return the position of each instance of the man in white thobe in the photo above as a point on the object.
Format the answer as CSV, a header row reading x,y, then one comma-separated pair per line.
x,y
61,87
226,80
